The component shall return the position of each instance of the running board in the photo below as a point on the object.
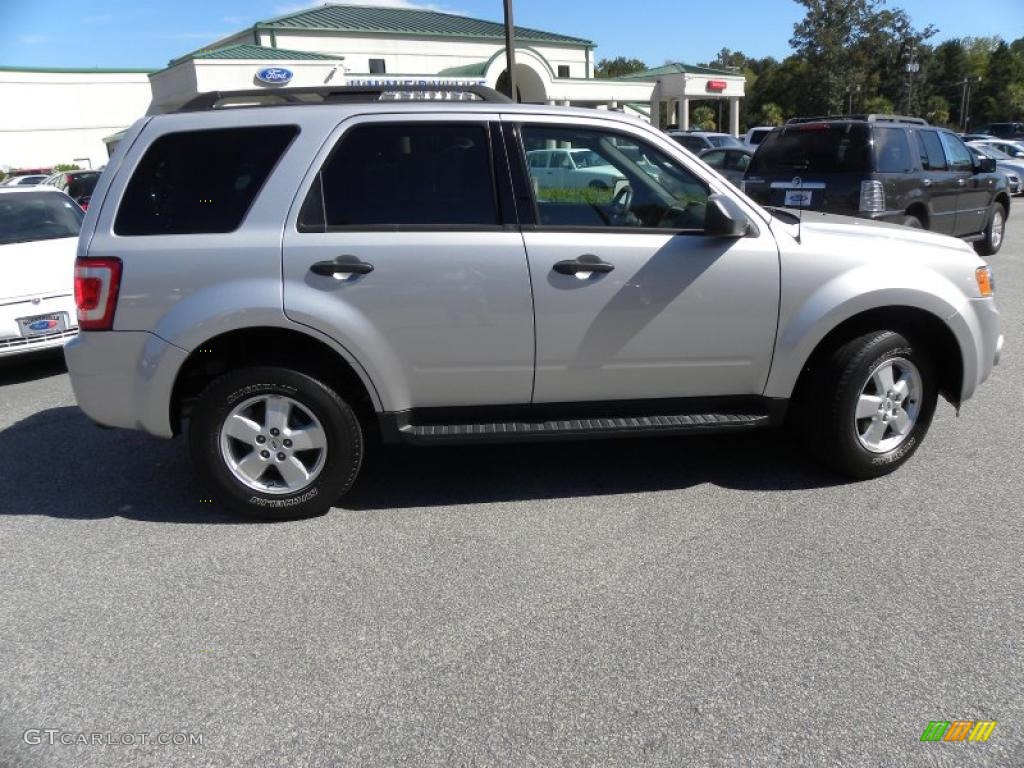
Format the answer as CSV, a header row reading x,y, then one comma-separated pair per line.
x,y
559,429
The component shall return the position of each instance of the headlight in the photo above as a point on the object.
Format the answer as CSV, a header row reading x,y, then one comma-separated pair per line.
x,y
986,286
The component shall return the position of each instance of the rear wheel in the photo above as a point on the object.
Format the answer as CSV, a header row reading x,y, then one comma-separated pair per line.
x,y
992,240
869,407
913,222
275,443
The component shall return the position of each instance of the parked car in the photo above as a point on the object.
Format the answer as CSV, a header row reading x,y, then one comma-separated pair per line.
x,y
886,168
731,163
390,268
698,141
1003,130
1014,149
571,169
38,235
28,180
78,185
1012,169
756,135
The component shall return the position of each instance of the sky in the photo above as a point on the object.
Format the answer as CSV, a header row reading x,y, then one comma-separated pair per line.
x,y
147,34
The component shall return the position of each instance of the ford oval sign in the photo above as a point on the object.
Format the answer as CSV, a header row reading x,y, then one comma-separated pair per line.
x,y
274,75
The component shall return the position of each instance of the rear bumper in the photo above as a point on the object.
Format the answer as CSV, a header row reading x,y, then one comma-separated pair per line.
x,y
11,340
125,378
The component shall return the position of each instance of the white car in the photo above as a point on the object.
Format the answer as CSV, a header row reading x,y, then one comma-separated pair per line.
x,y
572,169
30,180
1014,149
38,238
756,135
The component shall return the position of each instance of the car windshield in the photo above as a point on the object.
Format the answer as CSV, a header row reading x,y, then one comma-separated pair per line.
x,y
588,158
813,148
725,141
993,152
28,216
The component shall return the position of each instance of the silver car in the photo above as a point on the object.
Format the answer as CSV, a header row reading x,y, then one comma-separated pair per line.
x,y
338,264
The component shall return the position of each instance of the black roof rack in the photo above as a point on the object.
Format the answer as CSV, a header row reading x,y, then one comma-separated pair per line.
x,y
872,118
262,97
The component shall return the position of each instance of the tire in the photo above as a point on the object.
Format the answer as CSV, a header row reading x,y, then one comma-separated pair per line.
x,y
994,233
290,482
913,222
870,446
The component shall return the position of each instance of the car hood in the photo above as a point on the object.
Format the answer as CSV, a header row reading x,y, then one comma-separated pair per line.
x,y
817,228
37,267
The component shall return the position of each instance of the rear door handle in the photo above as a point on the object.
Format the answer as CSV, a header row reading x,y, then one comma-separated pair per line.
x,y
584,266
962,182
341,268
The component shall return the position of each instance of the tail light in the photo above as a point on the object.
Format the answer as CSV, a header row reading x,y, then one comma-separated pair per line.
x,y
97,281
872,197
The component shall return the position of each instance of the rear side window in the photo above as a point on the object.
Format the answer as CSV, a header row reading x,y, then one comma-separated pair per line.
x,y
892,150
814,148
405,174
196,182
932,156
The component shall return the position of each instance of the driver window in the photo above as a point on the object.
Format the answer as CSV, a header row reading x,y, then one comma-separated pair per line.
x,y
613,180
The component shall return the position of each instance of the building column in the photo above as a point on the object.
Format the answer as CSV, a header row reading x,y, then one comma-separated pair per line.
x,y
656,106
734,116
683,114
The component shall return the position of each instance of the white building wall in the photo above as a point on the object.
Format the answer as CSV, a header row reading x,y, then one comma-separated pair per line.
x,y
406,56
59,117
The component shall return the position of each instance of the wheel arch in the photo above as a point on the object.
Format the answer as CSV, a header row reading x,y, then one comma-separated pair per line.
x,y
919,326
270,345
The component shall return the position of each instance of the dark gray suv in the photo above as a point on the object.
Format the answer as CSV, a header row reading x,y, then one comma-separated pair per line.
x,y
886,168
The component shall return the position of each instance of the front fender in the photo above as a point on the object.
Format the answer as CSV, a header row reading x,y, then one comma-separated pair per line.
x,y
804,324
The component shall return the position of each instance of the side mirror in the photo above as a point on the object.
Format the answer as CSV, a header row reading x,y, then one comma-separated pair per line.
x,y
723,217
986,165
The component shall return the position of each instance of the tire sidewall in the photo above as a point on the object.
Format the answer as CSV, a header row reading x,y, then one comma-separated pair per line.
x,y
344,442
865,462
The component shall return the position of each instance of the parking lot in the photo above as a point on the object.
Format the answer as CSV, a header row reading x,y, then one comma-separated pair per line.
x,y
703,602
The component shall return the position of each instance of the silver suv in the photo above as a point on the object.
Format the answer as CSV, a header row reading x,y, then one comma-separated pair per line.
x,y
290,277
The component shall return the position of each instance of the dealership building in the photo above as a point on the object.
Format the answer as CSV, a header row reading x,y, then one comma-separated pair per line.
x,y
63,115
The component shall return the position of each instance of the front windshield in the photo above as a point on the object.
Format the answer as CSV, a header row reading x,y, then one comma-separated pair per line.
x,y
28,216
993,153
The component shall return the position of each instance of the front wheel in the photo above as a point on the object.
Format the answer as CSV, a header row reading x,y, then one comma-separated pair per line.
x,y
870,406
992,239
275,443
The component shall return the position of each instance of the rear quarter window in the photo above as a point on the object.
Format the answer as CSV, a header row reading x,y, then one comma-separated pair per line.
x,y
198,182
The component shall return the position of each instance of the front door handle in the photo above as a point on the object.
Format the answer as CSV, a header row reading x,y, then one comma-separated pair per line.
x,y
962,182
341,268
584,266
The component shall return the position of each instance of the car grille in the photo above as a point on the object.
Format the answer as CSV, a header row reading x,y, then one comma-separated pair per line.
x,y
20,343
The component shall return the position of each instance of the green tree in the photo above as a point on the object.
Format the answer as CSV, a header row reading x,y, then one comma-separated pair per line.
x,y
878,105
771,114
66,167
618,67
999,88
936,111
702,118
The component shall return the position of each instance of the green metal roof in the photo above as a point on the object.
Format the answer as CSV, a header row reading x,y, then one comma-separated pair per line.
x,y
406,21
249,51
677,68
479,69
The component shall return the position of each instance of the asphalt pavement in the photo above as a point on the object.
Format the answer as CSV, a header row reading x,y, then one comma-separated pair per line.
x,y
668,602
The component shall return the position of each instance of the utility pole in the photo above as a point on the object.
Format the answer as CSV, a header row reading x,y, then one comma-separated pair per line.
x,y
510,52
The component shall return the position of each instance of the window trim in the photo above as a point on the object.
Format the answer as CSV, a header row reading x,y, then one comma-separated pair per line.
x,y
503,224
527,193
